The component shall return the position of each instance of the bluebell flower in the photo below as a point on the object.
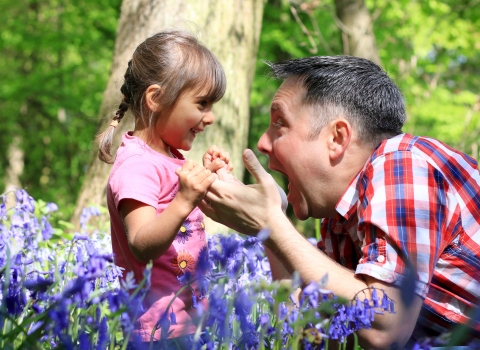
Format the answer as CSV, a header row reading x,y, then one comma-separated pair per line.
x,y
84,342
194,300
391,307
95,267
203,265
242,303
164,325
86,214
47,229
3,208
185,278
385,302
249,338
17,220
103,335
51,207
112,273
218,311
126,322
80,237
38,284
25,201
375,298
173,318
263,235
129,282
35,326
59,315
116,299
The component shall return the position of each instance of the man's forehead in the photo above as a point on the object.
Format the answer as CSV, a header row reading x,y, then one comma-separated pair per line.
x,y
290,93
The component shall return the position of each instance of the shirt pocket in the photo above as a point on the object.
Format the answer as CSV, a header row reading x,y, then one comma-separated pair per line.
x,y
375,252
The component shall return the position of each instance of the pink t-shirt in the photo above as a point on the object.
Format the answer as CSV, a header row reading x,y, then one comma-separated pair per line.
x,y
149,177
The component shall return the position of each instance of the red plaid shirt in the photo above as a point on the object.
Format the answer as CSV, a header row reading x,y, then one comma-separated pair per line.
x,y
425,197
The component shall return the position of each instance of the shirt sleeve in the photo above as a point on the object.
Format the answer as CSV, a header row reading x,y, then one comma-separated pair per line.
x,y
136,178
402,207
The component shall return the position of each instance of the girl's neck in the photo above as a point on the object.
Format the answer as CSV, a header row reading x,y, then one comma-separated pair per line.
x,y
156,144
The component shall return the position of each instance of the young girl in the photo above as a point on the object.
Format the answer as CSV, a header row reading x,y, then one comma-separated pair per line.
x,y
170,86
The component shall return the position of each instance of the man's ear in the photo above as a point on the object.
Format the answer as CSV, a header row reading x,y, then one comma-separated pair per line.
x,y
152,94
340,136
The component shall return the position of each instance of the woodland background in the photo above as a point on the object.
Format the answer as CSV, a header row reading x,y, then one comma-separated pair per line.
x,y
56,59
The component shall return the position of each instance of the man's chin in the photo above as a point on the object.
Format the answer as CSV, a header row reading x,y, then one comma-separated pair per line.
x,y
300,213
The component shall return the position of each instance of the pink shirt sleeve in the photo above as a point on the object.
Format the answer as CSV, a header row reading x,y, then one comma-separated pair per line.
x,y
137,179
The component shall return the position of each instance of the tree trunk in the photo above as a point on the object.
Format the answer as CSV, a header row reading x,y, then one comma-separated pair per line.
x,y
14,170
357,32
231,30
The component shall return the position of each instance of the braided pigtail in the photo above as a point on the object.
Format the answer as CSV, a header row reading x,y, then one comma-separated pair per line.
x,y
105,138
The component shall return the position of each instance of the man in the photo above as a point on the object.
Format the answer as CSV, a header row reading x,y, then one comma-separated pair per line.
x,y
389,200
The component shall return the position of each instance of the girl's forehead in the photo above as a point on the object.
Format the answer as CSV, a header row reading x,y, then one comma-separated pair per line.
x,y
207,89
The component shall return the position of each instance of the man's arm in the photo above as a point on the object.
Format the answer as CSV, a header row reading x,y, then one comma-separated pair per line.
x,y
248,209
390,331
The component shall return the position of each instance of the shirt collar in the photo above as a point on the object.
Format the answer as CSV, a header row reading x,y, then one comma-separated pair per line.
x,y
347,204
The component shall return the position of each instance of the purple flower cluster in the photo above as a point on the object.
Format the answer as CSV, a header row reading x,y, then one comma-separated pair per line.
x,y
247,310
58,292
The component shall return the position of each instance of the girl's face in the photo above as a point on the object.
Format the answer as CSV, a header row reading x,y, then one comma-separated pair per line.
x,y
191,115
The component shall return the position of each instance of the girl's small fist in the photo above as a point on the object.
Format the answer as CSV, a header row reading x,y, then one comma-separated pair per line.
x,y
217,158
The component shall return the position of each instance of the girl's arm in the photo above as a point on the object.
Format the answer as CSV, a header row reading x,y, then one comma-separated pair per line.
x,y
149,235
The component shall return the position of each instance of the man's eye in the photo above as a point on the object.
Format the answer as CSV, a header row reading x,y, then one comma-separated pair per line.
x,y
277,124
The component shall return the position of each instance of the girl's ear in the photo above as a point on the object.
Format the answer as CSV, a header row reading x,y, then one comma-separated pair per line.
x,y
152,95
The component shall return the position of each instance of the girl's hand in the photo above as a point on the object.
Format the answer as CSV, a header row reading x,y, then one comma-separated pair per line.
x,y
217,158
194,181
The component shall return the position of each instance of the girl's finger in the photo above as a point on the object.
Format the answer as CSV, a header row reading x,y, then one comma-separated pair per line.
x,y
188,166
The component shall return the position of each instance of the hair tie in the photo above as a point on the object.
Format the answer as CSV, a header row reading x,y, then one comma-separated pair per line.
x,y
114,123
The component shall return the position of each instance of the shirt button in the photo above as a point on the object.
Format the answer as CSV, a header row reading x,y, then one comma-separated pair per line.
x,y
381,258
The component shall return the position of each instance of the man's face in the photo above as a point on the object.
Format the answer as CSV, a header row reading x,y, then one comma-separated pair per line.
x,y
291,151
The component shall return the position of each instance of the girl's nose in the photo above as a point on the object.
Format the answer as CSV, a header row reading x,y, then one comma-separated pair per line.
x,y
209,118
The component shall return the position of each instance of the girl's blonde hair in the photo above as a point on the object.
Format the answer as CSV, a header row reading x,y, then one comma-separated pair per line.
x,y
176,61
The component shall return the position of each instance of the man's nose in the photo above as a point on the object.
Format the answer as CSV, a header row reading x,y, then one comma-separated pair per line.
x,y
264,144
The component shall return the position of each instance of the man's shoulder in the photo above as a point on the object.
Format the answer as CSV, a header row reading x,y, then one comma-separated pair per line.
x,y
428,148
407,154
400,143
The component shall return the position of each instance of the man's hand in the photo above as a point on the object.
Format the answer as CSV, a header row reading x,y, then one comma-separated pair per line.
x,y
246,209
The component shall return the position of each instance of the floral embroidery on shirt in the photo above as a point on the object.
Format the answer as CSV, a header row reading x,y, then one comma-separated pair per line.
x,y
183,263
185,231
200,226
174,191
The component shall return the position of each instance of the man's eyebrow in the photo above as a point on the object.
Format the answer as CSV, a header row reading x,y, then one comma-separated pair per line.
x,y
275,107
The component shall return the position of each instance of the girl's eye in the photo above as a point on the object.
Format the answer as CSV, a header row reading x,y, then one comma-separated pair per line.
x,y
203,103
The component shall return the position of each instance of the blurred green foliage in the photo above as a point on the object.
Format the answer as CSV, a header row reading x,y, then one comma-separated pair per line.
x,y
54,64
55,59
430,48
